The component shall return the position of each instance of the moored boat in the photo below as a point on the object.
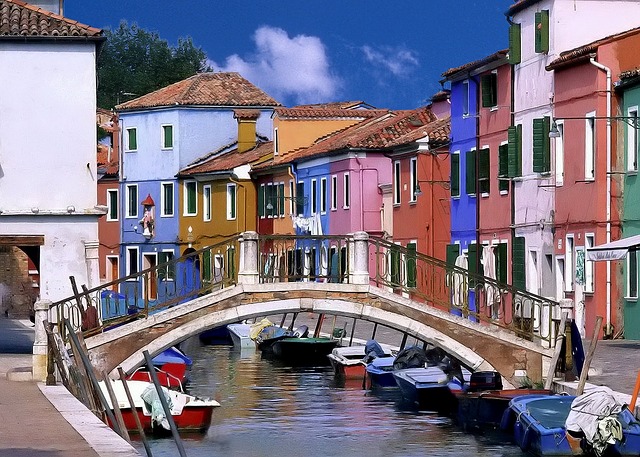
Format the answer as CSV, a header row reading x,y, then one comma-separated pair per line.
x,y
171,368
380,373
240,336
190,414
350,362
304,351
429,388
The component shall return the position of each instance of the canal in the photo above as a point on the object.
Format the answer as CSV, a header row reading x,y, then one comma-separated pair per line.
x,y
270,409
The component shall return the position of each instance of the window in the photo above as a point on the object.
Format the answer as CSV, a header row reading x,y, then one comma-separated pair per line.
x,y
503,168
132,200
167,136
560,154
514,44
276,144
231,202
112,204
470,175
323,195
396,183
541,145
455,174
300,199
489,87
413,169
261,200
514,134
314,197
590,147
589,285
632,139
412,276
269,197
632,275
542,31
166,272
347,191
190,198
483,171
281,199
206,203
291,200
568,263
132,262
465,97
501,261
334,193
132,139
166,203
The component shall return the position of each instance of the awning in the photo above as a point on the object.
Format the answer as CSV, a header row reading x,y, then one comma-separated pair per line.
x,y
614,250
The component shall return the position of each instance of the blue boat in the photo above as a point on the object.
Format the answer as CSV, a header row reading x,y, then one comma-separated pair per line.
x,y
539,426
380,373
430,388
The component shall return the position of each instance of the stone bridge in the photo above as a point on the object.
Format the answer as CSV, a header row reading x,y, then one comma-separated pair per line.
x,y
413,302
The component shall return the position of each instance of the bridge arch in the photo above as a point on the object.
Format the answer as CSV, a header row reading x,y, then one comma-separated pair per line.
x,y
479,347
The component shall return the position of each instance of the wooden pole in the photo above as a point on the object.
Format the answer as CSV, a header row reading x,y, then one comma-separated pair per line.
x,y
556,353
116,407
589,357
165,405
134,410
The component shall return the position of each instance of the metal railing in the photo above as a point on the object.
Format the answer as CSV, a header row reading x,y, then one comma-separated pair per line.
x,y
456,290
148,291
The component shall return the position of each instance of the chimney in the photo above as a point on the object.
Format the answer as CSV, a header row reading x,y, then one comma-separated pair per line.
x,y
246,128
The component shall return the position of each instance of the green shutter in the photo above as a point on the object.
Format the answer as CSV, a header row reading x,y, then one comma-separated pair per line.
x,y
514,44
133,139
488,85
261,203
162,271
501,262
515,151
300,199
455,175
541,145
232,210
191,198
503,167
453,251
542,31
411,265
168,136
484,170
470,172
395,265
281,198
472,257
206,265
518,265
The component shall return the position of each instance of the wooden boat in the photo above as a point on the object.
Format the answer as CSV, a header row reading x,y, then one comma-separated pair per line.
x,y
429,387
240,337
539,427
380,373
304,351
482,405
191,414
349,362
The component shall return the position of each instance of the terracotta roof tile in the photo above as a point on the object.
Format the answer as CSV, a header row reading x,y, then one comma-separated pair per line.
x,y
381,133
229,160
578,54
354,104
204,89
20,19
452,72
327,113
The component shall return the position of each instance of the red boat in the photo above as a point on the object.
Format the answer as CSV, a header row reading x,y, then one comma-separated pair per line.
x,y
349,362
191,414
171,367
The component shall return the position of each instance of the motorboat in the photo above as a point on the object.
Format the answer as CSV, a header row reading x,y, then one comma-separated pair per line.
x,y
240,336
190,413
171,368
349,362
380,373
430,388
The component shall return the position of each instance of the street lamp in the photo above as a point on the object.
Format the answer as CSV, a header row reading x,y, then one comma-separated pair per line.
x,y
417,192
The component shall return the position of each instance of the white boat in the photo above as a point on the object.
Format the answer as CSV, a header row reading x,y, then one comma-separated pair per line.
x,y
240,336
348,361
189,413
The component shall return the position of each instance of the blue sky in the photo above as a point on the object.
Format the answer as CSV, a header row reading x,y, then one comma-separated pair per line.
x,y
390,54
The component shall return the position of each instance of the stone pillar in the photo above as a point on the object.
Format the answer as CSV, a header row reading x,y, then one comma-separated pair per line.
x,y
248,271
92,260
40,344
360,258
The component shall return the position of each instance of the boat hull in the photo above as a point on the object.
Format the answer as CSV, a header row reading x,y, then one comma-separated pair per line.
x,y
380,373
192,419
305,351
427,387
240,338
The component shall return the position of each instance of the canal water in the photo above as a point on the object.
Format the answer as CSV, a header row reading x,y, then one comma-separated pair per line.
x,y
274,410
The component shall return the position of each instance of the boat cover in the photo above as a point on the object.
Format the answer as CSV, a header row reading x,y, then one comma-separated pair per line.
x,y
411,357
257,328
153,403
372,350
594,413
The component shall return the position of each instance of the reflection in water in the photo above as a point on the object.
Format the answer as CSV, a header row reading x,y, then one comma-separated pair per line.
x,y
270,409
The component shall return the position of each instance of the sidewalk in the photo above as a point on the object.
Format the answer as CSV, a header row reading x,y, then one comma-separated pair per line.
x,y
42,421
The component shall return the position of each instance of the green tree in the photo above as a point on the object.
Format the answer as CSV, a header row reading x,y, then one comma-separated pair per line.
x,y
134,62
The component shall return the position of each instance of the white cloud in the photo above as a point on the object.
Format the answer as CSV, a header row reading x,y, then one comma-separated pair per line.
x,y
286,67
398,60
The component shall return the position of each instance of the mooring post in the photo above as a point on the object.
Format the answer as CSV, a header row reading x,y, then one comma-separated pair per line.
x,y
360,270
248,272
40,343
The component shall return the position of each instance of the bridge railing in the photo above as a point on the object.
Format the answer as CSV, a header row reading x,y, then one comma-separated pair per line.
x,y
288,258
458,291
143,293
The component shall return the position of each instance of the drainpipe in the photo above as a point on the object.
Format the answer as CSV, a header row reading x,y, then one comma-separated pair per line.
x,y
361,178
607,329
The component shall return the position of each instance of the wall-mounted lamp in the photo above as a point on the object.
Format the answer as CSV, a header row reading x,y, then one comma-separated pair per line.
x,y
418,191
71,209
35,210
